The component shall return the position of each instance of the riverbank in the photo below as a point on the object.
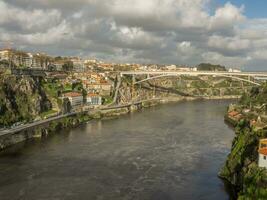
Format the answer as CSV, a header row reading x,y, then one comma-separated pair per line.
x,y
177,99
50,128
74,121
241,170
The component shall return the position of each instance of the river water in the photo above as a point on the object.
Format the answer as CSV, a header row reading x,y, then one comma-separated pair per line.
x,y
167,152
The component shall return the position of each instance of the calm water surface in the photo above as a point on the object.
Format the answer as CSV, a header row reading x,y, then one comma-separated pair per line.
x,y
168,152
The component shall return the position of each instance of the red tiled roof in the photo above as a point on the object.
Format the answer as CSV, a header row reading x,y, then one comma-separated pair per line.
x,y
92,95
263,151
233,113
72,94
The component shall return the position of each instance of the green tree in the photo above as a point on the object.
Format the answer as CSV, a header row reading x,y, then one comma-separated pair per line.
x,y
210,67
66,106
77,86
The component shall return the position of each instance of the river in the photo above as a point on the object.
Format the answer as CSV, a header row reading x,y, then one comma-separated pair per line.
x,y
167,152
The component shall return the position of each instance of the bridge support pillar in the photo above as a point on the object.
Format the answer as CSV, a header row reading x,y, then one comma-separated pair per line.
x,y
133,83
154,89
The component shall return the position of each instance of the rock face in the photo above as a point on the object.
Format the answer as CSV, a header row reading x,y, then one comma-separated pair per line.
x,y
21,99
241,168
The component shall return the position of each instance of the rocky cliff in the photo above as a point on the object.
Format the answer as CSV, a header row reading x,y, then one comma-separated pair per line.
x,y
21,99
241,168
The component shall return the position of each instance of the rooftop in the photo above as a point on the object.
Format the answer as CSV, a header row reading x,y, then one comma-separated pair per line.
x,y
263,151
263,141
233,113
72,94
92,95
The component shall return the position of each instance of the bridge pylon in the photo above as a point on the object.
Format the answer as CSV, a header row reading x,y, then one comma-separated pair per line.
x,y
133,89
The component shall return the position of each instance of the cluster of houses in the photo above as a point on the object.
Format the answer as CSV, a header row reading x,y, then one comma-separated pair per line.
x,y
95,84
20,58
257,124
44,61
17,58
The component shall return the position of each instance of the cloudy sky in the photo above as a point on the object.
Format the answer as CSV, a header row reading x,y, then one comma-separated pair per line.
x,y
231,33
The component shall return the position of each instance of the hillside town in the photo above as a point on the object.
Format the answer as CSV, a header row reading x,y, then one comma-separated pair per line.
x,y
133,99
71,86
84,82
22,59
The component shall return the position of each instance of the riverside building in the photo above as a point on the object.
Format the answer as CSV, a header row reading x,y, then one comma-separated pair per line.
x,y
263,153
94,99
75,98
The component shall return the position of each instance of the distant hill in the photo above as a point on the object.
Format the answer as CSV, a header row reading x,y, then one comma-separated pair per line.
x,y
210,67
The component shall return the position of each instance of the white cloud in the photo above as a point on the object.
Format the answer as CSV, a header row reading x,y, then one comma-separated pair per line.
x,y
155,31
51,36
36,19
228,44
185,51
259,54
226,17
214,57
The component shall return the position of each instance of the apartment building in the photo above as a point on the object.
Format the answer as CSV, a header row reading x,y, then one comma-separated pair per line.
x,y
75,98
94,99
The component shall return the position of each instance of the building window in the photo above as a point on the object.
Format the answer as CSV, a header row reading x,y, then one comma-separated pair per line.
x,y
264,157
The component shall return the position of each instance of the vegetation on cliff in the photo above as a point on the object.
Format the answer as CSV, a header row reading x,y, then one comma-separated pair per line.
x,y
241,168
210,67
21,99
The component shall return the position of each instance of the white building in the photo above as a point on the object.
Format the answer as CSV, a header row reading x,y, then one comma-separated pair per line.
x,y
28,60
78,64
171,67
193,69
75,98
143,68
92,61
94,99
184,69
5,54
233,70
263,153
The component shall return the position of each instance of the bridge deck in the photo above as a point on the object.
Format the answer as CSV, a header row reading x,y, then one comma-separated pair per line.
x,y
252,74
